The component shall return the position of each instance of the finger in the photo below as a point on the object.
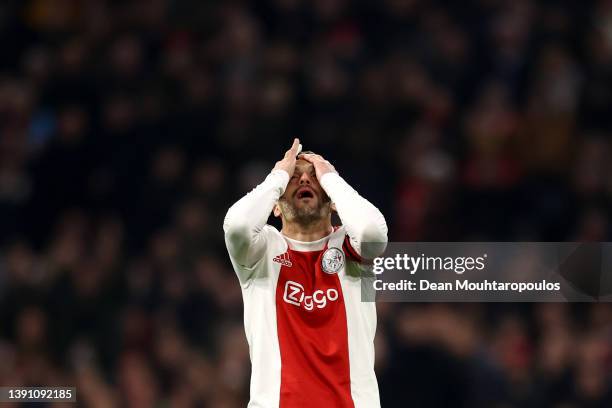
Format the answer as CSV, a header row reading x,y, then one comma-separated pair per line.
x,y
313,157
308,157
318,157
292,152
295,146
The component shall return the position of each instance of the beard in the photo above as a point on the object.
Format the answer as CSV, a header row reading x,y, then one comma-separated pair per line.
x,y
306,214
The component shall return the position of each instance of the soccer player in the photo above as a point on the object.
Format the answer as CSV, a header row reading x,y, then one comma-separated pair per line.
x,y
311,338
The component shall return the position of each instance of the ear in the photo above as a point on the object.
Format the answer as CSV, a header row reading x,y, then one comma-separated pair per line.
x,y
277,211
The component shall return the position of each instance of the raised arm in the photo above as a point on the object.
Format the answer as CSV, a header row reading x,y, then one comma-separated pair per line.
x,y
362,220
247,217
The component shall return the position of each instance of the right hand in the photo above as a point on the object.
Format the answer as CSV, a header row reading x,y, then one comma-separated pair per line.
x,y
288,162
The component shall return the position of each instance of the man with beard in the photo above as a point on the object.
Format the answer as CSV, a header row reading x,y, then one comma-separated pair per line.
x,y
311,339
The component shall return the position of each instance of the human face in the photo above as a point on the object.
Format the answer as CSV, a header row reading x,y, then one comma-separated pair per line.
x,y
304,199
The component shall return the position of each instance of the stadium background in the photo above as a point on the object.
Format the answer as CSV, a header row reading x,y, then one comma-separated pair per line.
x,y
127,129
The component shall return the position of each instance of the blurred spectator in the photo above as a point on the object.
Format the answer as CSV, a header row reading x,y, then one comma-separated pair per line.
x,y
128,128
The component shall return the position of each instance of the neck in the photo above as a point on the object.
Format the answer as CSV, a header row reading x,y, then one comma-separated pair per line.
x,y
307,233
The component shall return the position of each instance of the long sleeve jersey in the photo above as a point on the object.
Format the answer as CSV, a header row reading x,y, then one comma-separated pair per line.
x,y
311,338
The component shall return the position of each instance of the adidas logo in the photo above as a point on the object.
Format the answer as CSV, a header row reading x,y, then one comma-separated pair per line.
x,y
283,259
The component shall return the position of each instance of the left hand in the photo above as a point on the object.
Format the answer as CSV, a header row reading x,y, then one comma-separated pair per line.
x,y
321,165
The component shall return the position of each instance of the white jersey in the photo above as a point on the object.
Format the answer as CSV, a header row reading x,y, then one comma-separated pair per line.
x,y
311,338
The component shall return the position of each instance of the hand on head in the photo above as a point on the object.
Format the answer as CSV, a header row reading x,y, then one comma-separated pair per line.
x,y
288,162
321,165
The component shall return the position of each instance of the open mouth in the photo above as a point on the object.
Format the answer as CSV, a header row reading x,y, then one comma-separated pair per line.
x,y
304,193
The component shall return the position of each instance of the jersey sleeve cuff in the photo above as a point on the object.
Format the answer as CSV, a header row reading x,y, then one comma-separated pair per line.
x,y
329,179
281,177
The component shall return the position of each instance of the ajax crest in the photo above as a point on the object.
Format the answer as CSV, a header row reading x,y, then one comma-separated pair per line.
x,y
332,260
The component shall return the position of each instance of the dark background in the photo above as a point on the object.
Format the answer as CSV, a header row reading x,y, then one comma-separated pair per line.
x,y
128,128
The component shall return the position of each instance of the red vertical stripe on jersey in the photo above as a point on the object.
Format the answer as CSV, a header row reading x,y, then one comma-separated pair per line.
x,y
348,249
313,343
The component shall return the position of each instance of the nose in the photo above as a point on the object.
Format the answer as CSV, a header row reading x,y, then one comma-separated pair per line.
x,y
305,179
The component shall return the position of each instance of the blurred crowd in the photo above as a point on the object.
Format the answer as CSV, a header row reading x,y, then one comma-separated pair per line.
x,y
128,128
